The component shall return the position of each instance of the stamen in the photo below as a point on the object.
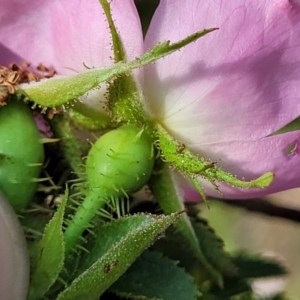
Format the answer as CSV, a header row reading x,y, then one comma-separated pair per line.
x,y
16,74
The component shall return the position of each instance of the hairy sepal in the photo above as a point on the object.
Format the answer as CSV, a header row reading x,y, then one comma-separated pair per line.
x,y
179,156
52,92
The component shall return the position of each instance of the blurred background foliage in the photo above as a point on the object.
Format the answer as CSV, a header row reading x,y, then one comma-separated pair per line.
x,y
261,234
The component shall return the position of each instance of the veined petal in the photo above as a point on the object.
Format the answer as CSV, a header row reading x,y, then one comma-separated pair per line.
x,y
238,83
66,35
248,160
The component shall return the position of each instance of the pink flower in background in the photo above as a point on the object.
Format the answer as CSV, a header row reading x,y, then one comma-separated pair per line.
x,y
222,96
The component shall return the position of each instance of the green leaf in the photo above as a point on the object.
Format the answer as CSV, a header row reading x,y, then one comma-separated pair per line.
x,y
153,277
232,287
254,266
292,126
249,267
116,247
213,248
49,255
199,243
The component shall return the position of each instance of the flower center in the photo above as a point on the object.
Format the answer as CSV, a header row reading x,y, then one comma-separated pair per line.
x,y
15,74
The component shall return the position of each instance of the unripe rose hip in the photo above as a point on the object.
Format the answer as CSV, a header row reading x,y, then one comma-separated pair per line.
x,y
120,162
21,154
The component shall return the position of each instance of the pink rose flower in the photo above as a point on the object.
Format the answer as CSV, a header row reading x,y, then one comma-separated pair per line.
x,y
222,96
225,94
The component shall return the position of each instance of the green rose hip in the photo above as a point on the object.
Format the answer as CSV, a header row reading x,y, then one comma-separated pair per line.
x,y
21,154
120,162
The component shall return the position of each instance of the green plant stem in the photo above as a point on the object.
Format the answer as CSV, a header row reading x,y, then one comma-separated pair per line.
x,y
82,219
72,148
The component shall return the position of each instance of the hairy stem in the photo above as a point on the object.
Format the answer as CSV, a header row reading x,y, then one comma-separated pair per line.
x,y
82,219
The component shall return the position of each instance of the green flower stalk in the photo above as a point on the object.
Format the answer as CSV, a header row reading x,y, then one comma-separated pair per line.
x,y
120,162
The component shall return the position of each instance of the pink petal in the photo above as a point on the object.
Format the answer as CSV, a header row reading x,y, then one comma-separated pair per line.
x,y
238,83
279,154
65,35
